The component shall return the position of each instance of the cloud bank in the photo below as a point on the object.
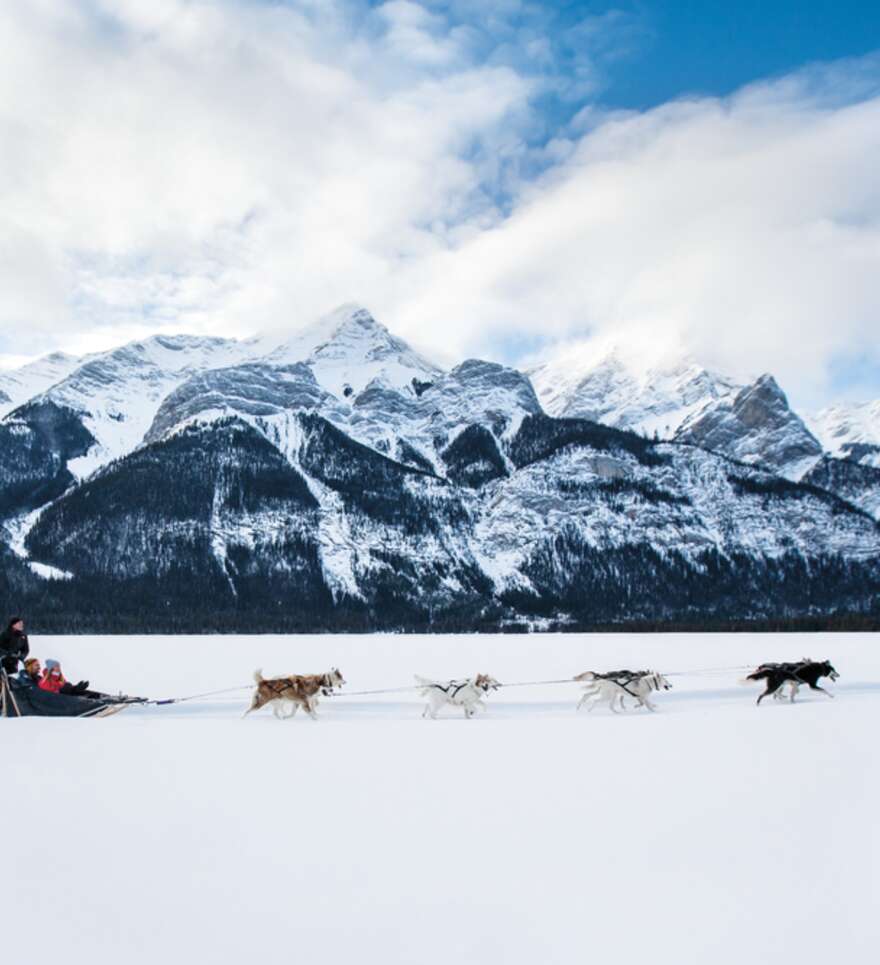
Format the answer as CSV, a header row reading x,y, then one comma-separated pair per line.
x,y
230,166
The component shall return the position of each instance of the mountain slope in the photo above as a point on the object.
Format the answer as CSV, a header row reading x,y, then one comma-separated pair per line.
x,y
857,483
38,442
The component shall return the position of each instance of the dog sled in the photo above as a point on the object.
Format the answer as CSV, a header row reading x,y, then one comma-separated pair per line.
x,y
21,701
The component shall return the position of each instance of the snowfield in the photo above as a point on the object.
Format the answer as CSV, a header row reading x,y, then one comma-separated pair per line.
x,y
710,832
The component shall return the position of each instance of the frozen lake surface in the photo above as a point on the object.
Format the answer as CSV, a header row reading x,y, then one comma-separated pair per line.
x,y
711,831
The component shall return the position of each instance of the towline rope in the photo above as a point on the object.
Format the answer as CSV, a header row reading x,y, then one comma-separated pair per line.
x,y
401,690
707,670
364,693
541,683
209,693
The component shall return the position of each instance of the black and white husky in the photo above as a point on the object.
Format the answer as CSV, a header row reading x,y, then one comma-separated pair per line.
x,y
460,693
615,687
806,671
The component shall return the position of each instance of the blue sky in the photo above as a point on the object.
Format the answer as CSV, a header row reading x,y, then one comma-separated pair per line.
x,y
716,46
493,178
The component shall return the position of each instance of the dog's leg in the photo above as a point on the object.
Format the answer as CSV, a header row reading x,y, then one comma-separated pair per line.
x,y
587,695
766,693
431,707
311,707
824,691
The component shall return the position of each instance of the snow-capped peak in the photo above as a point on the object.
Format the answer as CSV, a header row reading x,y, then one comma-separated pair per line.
x,y
620,387
19,385
850,431
348,349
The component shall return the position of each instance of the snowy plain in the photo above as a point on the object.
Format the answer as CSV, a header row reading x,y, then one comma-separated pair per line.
x,y
711,831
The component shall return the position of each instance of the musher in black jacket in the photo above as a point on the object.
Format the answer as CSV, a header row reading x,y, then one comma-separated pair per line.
x,y
13,645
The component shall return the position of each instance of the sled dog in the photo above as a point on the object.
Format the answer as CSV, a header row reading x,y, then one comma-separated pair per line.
x,y
615,687
460,693
293,692
778,675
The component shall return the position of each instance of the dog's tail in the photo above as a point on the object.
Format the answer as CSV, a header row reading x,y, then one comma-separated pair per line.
x,y
258,676
752,677
423,683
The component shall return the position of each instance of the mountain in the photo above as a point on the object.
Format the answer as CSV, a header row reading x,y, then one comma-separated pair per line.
x,y
214,523
116,395
617,388
337,479
679,399
850,431
367,383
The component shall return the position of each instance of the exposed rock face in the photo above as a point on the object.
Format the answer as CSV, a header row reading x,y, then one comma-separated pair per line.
x,y
255,390
758,427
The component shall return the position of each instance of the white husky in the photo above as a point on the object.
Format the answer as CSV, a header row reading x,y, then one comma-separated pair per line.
x,y
460,693
614,688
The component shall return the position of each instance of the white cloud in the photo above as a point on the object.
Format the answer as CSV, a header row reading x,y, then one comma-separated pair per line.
x,y
746,230
230,166
233,165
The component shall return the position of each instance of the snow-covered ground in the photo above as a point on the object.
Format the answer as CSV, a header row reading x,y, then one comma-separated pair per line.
x,y
711,831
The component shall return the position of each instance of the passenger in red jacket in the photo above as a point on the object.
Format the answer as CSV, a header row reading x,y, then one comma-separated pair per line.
x,y
54,682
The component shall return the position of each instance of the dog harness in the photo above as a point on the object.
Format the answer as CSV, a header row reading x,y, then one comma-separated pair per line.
x,y
623,678
279,686
455,686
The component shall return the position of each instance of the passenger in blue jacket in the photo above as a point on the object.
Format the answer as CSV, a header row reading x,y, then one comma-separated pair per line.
x,y
31,674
